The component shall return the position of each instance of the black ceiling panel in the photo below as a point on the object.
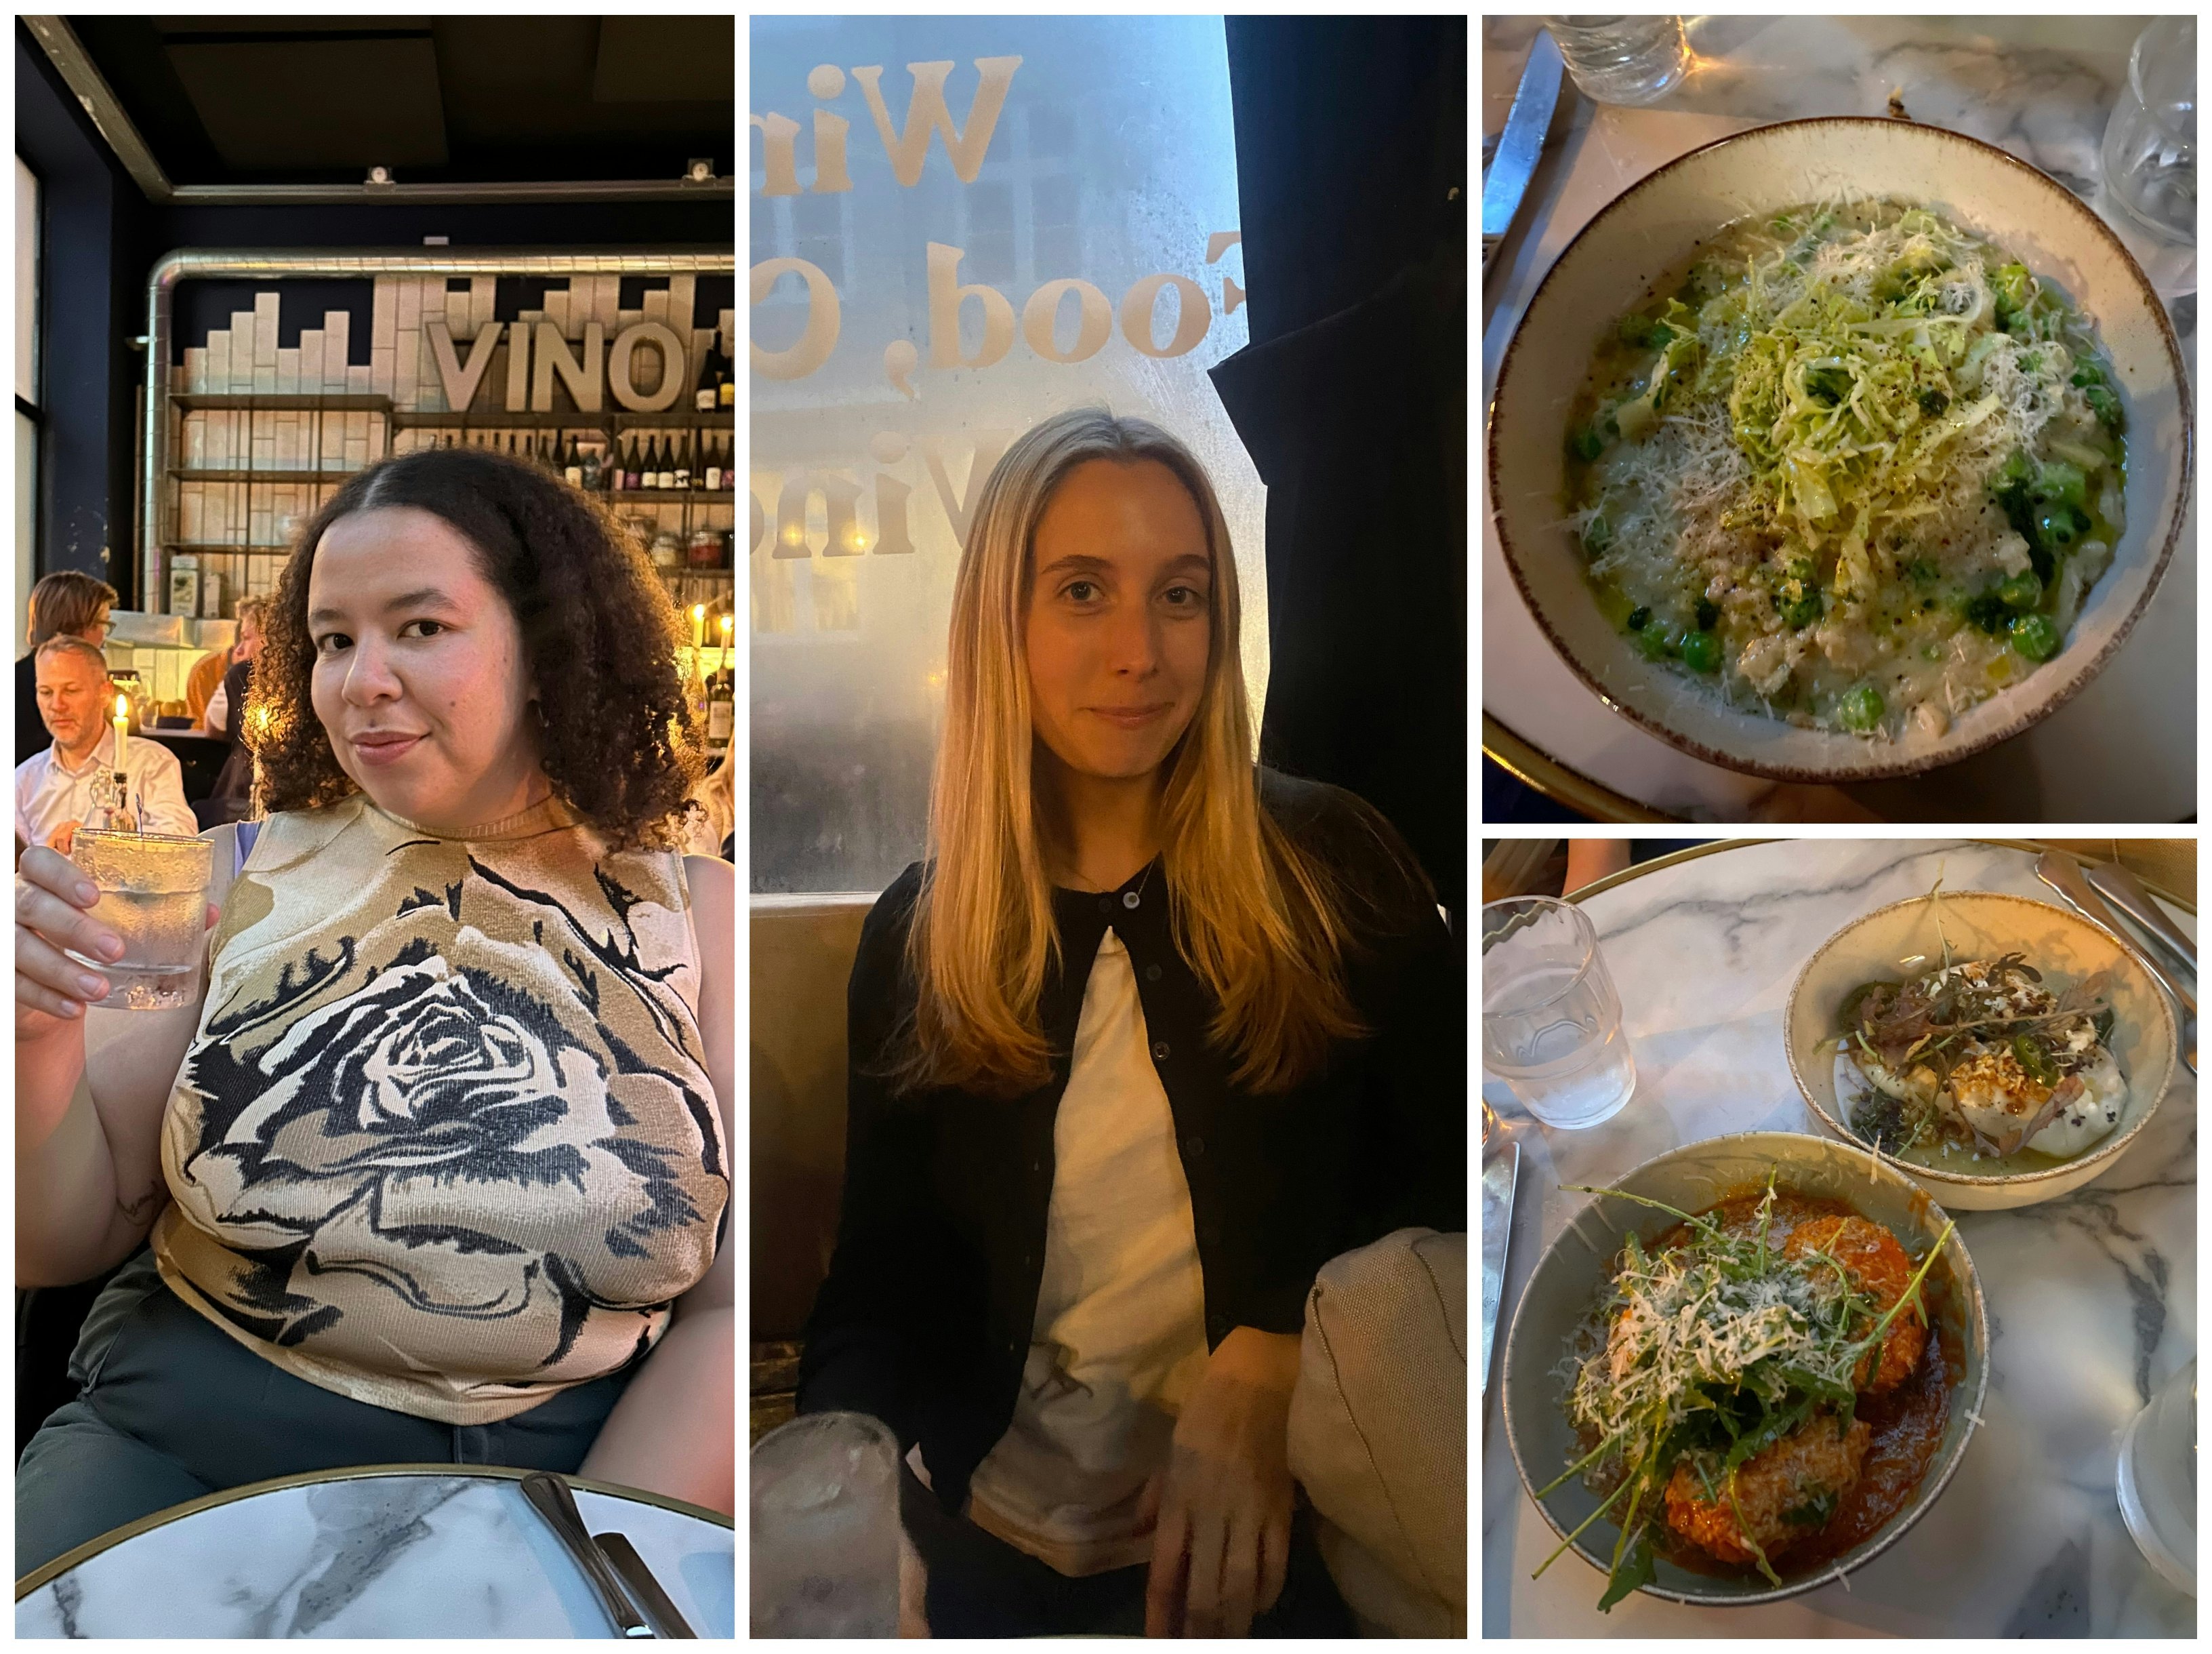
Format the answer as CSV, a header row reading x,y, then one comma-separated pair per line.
x,y
474,100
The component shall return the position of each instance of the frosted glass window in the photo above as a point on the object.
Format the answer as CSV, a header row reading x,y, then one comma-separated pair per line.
x,y
1106,155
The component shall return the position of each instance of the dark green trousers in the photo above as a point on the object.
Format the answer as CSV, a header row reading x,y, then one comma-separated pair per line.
x,y
170,1409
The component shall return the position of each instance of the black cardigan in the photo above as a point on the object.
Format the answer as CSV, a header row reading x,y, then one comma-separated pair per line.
x,y
925,1318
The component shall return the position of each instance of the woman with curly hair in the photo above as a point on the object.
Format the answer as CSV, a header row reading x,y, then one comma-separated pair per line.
x,y
436,1168
1152,1035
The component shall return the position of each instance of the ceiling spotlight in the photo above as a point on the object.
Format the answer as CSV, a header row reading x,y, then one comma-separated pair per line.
x,y
699,172
380,178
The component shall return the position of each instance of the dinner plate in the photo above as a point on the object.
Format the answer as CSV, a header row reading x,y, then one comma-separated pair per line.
x,y
1986,925
1655,225
1572,1271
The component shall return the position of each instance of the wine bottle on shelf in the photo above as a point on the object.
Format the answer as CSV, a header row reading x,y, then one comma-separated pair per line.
x,y
682,443
633,466
572,463
707,396
663,471
722,705
710,476
587,467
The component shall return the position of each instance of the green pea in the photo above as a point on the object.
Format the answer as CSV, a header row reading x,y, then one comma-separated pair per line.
x,y
1597,536
1701,652
1861,709
2034,636
1586,444
2021,591
2106,406
2054,527
2063,480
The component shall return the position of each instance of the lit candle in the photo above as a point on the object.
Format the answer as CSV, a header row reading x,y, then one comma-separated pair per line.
x,y
122,726
728,622
698,624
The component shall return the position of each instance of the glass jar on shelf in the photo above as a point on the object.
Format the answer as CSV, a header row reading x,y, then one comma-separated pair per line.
x,y
705,551
666,556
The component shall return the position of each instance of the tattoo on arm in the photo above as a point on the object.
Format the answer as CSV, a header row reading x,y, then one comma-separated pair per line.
x,y
140,1210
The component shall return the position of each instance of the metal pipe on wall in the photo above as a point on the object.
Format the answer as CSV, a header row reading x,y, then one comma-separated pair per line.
x,y
237,263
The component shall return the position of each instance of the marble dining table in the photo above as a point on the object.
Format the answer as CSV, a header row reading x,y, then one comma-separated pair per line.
x,y
2091,1297
389,1551
2041,87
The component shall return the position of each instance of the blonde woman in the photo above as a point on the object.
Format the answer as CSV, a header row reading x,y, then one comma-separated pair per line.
x,y
1152,1035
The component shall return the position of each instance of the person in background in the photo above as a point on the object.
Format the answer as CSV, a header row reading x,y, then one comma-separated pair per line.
x,y
1151,1036
66,605
215,718
54,787
206,677
710,826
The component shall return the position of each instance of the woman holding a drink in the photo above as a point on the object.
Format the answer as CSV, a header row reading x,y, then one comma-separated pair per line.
x,y
436,1167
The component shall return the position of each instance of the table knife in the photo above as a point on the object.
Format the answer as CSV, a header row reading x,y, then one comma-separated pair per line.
x,y
2064,874
2125,892
646,1590
1527,125
550,1496
1501,1169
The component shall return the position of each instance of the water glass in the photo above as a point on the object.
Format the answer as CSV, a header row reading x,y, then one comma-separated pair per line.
x,y
825,1529
2158,1480
1551,1016
2150,143
152,893
1626,60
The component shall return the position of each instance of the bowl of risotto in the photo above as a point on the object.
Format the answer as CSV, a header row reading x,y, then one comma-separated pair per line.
x,y
1841,449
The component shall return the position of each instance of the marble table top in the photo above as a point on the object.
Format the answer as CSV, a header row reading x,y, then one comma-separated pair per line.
x,y
2041,87
2091,1298
386,1555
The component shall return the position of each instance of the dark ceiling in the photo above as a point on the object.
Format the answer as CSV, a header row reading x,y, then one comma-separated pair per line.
x,y
235,101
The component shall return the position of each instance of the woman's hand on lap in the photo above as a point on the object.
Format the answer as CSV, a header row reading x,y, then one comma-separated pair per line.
x,y
1223,1542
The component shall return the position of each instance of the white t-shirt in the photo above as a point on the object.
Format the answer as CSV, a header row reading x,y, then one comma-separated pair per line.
x,y
1119,1336
48,792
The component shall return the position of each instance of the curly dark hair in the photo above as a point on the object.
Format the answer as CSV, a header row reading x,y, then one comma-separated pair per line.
x,y
598,634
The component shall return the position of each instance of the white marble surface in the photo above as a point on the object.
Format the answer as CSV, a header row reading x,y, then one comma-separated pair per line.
x,y
425,1555
2091,1298
2041,87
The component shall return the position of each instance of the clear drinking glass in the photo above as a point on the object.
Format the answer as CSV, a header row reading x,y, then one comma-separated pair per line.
x,y
1628,60
2158,1480
825,1522
1550,1016
152,893
2150,143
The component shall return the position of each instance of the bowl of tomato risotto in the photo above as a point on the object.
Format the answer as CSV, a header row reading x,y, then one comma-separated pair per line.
x,y
1743,1369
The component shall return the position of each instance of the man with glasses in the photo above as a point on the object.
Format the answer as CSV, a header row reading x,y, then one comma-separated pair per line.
x,y
66,605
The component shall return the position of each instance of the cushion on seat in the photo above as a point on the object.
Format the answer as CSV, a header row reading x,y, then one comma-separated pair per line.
x,y
1378,1430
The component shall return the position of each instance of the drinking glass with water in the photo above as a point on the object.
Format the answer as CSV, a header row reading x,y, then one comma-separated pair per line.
x,y
1626,60
826,1521
1551,1016
152,893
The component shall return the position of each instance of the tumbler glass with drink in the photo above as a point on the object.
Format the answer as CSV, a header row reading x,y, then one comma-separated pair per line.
x,y
153,894
1551,1016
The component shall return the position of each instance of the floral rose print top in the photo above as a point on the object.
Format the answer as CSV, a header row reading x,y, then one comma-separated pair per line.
x,y
445,1142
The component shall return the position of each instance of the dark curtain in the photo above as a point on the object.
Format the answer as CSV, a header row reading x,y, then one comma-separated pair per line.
x,y
1352,399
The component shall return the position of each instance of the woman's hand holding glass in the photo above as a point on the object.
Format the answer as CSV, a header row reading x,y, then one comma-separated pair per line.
x,y
52,904
53,898
1223,1542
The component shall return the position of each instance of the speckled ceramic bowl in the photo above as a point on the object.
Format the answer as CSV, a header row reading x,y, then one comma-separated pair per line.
x,y
1693,1178
1655,225
1984,925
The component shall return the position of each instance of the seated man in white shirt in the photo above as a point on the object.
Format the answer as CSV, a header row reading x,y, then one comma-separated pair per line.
x,y
54,789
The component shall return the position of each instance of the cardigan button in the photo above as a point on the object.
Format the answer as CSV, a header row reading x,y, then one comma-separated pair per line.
x,y
1130,899
1160,1050
1195,1147
1152,973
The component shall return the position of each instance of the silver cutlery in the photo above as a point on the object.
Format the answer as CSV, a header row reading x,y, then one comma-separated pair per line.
x,y
550,1496
1527,125
1501,1169
2126,892
667,1621
2064,874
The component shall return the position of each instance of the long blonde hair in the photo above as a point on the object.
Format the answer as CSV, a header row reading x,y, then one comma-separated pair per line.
x,y
1259,920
